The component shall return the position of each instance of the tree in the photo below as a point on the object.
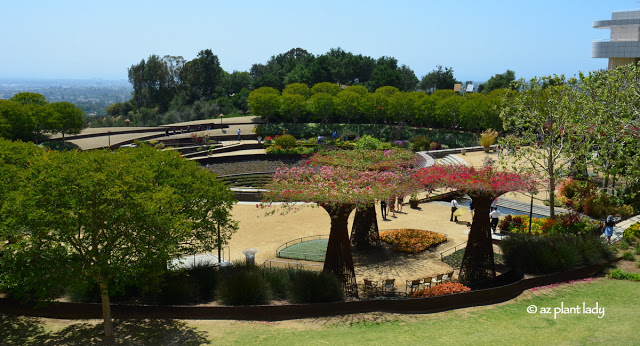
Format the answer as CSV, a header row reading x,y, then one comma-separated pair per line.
x,y
365,224
348,105
483,186
498,81
440,78
264,102
322,106
109,218
292,106
203,77
544,111
612,115
67,118
325,87
338,190
297,89
409,81
386,73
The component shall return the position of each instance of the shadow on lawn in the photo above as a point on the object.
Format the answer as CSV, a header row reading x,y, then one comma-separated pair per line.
x,y
18,330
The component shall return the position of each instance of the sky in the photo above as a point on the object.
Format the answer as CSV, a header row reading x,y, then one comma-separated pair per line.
x,y
71,39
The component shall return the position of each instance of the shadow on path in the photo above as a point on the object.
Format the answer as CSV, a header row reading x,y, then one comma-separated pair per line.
x,y
18,330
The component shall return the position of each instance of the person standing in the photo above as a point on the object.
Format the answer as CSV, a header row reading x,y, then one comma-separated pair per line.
x,y
238,135
383,209
495,217
472,209
392,206
454,207
608,228
400,200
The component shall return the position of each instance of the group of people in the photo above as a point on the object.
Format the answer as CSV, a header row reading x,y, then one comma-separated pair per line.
x,y
394,204
494,215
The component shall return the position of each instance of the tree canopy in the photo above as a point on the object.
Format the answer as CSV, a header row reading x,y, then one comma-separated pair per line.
x,y
108,218
440,78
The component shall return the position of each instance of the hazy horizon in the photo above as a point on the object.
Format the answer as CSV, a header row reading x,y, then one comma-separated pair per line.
x,y
100,40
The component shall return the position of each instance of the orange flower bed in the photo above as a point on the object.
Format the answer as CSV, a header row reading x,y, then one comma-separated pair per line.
x,y
440,290
411,240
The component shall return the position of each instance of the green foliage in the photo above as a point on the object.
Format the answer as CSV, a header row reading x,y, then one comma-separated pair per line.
x,y
534,254
622,275
452,139
279,280
440,78
628,256
498,81
585,197
244,287
420,143
286,141
315,287
368,142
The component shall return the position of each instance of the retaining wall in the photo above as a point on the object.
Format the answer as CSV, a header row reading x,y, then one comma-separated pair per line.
x,y
509,286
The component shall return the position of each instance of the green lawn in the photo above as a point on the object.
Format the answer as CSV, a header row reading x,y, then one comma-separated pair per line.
x,y
504,324
310,250
507,323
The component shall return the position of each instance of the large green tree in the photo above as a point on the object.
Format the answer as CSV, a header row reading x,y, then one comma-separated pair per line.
x,y
545,111
498,81
108,218
440,78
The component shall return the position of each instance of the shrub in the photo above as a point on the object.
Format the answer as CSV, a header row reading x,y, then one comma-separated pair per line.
x,y
632,232
315,287
279,280
440,290
622,275
411,240
286,141
368,142
536,254
488,137
244,287
435,146
628,256
420,143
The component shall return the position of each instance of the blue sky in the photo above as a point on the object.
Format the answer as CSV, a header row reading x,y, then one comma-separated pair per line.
x,y
101,39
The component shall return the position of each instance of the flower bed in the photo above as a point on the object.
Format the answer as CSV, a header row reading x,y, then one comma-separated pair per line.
x,y
411,240
440,290
571,223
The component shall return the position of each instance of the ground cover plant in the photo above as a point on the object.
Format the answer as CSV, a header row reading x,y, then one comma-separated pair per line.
x,y
569,223
310,250
440,290
411,240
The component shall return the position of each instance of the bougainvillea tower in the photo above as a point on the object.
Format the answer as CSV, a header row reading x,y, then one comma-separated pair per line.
x,y
338,190
364,231
483,186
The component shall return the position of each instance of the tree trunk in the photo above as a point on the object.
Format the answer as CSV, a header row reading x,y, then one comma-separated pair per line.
x,y
106,310
338,259
478,263
552,189
364,232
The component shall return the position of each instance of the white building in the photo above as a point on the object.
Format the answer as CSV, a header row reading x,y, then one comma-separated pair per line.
x,y
623,47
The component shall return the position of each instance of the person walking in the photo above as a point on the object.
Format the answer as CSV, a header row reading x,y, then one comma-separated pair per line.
x,y
472,209
454,207
495,218
400,200
392,206
383,209
609,222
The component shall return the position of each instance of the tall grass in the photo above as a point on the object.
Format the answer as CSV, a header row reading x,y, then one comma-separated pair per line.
x,y
533,254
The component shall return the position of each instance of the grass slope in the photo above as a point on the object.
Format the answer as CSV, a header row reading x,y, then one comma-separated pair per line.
x,y
310,250
507,323
502,324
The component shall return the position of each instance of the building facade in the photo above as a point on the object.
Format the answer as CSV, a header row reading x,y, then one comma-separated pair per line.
x,y
623,47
